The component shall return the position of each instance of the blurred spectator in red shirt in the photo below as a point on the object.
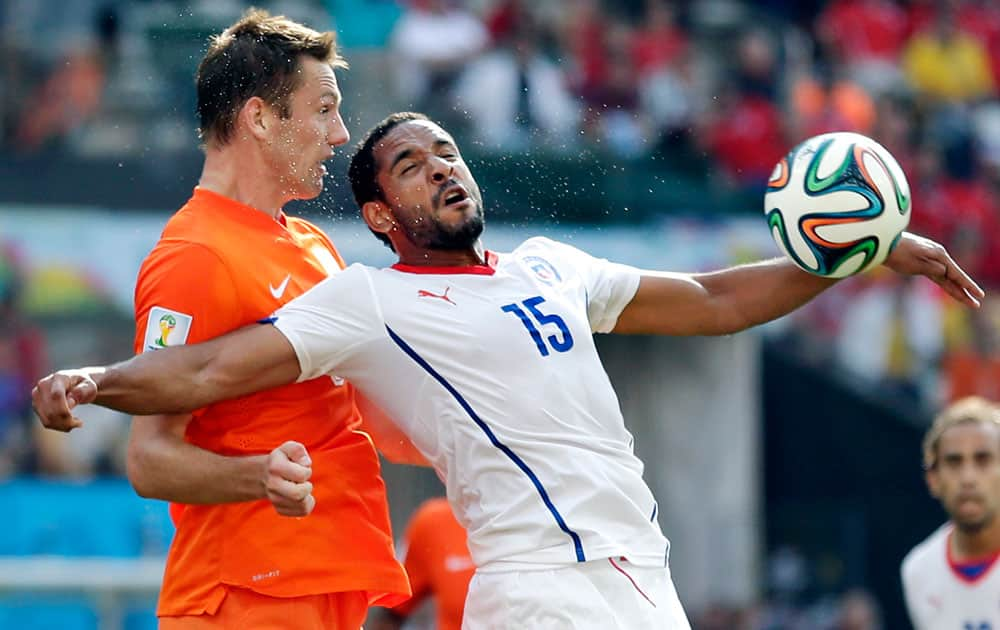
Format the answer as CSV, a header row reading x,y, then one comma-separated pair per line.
x,y
980,18
745,135
658,43
866,36
958,207
612,115
504,19
664,63
583,38
863,30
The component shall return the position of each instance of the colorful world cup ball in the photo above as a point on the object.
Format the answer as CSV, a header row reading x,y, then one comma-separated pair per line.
x,y
837,204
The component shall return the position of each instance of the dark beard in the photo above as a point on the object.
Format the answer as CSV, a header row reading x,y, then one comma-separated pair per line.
x,y
435,236
973,528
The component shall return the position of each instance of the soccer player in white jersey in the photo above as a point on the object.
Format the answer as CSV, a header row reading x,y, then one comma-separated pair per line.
x,y
487,361
950,580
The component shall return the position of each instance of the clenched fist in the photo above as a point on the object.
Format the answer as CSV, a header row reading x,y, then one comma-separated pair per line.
x,y
55,396
287,484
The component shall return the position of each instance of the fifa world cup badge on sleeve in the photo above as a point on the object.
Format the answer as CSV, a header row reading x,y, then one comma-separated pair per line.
x,y
166,328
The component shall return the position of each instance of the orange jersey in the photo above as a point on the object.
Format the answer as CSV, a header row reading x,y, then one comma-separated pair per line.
x,y
221,265
243,608
438,562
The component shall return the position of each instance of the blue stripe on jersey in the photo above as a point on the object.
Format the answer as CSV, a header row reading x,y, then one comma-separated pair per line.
x,y
652,516
580,557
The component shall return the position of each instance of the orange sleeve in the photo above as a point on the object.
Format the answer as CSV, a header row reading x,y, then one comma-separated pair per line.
x,y
329,244
189,279
419,539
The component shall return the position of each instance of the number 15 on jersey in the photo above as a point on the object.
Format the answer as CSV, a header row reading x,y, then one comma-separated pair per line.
x,y
530,315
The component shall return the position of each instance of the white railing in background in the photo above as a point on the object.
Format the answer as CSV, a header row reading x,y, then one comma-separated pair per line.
x,y
110,582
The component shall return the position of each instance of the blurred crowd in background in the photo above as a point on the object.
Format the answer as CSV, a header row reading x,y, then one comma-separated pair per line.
x,y
717,89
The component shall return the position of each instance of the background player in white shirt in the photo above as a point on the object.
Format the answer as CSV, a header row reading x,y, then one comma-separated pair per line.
x,y
487,361
950,580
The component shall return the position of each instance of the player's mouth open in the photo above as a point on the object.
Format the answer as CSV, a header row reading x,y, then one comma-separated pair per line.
x,y
455,195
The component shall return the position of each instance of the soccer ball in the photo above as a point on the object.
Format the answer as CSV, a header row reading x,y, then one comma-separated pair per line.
x,y
837,204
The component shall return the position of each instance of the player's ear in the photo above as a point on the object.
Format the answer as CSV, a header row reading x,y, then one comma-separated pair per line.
x,y
933,483
254,117
378,216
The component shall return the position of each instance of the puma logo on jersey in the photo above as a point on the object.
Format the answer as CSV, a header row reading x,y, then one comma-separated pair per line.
x,y
442,296
278,291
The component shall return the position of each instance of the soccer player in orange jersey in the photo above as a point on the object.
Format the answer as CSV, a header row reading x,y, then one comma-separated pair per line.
x,y
437,560
268,103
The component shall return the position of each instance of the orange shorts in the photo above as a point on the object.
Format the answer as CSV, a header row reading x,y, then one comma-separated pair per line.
x,y
242,609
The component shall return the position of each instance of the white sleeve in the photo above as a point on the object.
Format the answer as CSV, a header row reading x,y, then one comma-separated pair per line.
x,y
909,597
612,286
609,286
330,321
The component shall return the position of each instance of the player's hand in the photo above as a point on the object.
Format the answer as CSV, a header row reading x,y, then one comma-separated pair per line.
x,y
55,396
287,484
918,256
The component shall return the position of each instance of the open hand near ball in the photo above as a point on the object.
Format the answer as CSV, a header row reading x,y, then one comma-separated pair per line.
x,y
287,482
918,256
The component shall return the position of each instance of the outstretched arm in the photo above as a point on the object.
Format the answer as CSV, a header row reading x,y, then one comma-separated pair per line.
x,y
734,299
173,380
720,302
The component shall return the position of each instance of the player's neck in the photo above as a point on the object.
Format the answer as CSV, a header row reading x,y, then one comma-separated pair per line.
x,y
226,174
419,257
975,545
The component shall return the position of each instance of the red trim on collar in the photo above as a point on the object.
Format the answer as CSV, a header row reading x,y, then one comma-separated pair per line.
x,y
487,269
989,559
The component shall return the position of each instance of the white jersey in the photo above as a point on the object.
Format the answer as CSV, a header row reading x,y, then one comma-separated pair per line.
x,y
493,374
940,597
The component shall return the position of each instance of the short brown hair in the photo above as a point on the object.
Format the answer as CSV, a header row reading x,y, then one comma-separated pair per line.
x,y
256,56
974,409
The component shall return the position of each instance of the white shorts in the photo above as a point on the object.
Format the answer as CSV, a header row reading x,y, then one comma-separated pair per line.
x,y
608,594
